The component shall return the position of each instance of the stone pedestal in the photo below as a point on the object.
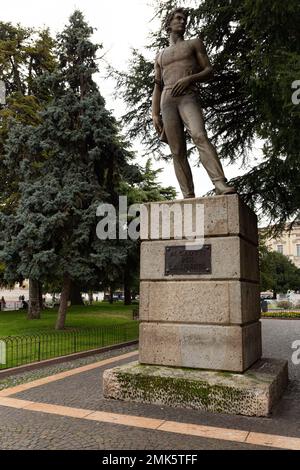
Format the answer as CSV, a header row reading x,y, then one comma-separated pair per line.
x,y
204,313
210,320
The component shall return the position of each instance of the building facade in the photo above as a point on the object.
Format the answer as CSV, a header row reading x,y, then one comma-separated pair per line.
x,y
288,243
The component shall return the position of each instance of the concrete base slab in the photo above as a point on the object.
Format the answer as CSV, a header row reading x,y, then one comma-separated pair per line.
x,y
252,393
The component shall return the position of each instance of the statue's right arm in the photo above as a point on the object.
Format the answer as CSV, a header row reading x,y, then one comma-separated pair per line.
x,y
156,98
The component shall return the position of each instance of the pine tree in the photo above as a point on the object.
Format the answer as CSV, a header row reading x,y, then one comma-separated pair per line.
x,y
25,54
67,164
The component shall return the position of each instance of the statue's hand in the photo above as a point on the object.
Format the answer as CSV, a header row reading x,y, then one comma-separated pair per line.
x,y
157,121
181,86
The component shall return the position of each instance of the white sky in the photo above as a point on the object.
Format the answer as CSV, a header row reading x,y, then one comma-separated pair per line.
x,y
121,25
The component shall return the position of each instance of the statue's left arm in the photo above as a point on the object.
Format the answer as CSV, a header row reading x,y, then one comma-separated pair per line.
x,y
198,49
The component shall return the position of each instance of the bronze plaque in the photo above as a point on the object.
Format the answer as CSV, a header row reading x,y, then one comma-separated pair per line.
x,y
179,260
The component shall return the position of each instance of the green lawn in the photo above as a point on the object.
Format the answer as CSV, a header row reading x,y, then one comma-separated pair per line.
x,y
87,316
87,327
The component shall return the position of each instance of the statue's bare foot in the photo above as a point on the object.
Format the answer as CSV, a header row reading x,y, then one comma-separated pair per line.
x,y
222,188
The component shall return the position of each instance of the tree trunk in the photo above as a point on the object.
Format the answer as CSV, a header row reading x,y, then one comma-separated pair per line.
x,y
75,294
63,305
91,298
127,290
34,308
41,295
111,295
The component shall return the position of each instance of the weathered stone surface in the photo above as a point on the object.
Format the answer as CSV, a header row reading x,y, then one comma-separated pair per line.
x,y
229,348
231,258
223,216
220,302
245,223
253,393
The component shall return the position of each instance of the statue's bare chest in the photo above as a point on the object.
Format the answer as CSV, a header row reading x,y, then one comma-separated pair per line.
x,y
177,53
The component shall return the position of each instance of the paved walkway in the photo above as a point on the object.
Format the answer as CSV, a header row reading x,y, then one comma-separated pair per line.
x,y
67,411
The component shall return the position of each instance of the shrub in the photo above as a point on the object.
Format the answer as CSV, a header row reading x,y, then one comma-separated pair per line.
x,y
285,304
289,314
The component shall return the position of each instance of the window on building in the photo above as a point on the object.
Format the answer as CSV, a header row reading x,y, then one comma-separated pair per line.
x,y
298,250
280,248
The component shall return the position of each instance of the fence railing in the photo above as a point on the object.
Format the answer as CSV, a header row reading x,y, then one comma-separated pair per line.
x,y
12,305
20,350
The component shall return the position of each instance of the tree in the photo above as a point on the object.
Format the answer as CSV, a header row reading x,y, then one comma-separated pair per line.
x,y
254,49
277,272
75,294
67,164
25,55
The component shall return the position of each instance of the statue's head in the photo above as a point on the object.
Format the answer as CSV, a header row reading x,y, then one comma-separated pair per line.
x,y
176,21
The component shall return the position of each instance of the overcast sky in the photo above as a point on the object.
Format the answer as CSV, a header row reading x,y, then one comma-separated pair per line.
x,y
120,25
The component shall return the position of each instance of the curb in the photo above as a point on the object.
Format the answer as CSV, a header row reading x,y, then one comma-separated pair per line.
x,y
279,318
57,360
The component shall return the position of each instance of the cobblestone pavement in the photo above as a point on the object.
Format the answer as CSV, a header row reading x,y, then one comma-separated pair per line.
x,y
29,430
24,429
54,369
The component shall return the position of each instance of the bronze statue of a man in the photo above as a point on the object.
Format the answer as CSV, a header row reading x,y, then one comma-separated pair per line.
x,y
175,104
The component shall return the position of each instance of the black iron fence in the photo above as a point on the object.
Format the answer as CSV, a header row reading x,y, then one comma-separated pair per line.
x,y
20,350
